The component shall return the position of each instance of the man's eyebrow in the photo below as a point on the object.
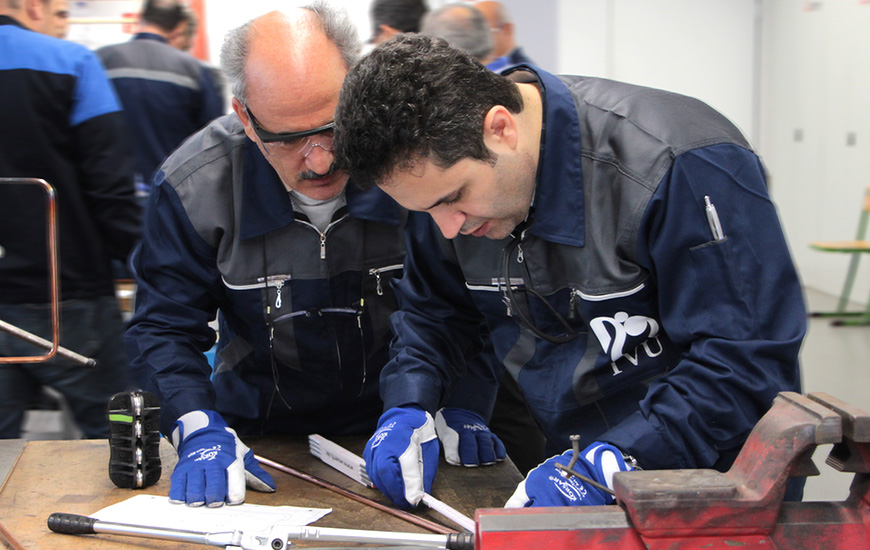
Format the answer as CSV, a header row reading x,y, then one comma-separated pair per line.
x,y
447,198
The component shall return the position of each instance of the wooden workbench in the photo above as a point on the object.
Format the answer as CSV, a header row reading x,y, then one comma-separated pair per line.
x,y
72,476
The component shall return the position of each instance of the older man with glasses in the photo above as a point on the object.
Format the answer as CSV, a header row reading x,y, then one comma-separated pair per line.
x,y
250,220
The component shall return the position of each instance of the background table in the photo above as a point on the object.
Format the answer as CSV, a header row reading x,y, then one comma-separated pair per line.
x,y
72,476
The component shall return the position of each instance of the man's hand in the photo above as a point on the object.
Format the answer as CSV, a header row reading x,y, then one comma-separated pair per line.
x,y
546,485
402,456
213,464
466,438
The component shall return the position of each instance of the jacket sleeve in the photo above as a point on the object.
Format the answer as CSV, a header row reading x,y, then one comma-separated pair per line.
x,y
105,158
177,295
437,327
736,306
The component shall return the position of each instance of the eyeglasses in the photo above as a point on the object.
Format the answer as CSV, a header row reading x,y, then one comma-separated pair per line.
x,y
293,143
519,308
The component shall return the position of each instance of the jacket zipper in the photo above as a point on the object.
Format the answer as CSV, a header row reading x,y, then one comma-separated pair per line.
x,y
309,312
277,281
322,233
376,271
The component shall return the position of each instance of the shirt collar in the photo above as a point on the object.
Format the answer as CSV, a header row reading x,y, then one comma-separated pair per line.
x,y
559,214
266,204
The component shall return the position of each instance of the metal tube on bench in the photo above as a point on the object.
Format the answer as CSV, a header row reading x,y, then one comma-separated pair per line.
x,y
407,516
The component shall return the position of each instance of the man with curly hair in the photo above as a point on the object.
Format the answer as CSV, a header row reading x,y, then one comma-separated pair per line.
x,y
634,276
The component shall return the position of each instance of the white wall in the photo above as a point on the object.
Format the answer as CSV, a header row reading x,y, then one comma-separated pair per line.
x,y
815,127
701,48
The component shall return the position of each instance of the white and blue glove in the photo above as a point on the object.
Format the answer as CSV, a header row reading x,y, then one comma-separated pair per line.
x,y
402,456
213,464
466,438
546,485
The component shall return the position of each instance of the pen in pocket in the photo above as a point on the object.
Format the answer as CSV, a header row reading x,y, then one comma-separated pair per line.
x,y
713,219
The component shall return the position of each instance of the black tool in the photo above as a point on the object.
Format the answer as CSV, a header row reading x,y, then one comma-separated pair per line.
x,y
134,439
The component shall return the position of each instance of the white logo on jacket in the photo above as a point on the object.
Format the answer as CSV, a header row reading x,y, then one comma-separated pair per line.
x,y
613,332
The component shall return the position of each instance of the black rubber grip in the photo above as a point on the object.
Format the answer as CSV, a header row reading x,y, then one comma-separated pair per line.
x,y
460,541
71,524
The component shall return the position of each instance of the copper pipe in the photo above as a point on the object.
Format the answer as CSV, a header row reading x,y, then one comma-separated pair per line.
x,y
43,343
54,280
402,514
8,540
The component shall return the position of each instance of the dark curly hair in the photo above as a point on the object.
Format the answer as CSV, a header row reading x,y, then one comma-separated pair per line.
x,y
415,97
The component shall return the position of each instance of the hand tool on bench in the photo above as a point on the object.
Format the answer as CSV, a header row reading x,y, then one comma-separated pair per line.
x,y
278,537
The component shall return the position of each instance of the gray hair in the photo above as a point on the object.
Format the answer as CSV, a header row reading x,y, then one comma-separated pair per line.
x,y
469,33
335,23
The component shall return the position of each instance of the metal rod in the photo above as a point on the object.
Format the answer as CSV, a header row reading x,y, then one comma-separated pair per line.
x,y
43,343
449,512
305,532
53,276
74,524
407,516
585,479
222,539
569,469
7,538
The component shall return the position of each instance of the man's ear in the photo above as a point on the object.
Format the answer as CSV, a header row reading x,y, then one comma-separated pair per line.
x,y
500,128
242,113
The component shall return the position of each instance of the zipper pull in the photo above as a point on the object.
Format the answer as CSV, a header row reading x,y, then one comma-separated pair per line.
x,y
278,301
380,290
520,253
323,246
571,304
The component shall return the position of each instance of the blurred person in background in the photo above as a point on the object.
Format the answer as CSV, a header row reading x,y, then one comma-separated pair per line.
x,y
166,93
463,26
61,18
61,122
185,42
505,49
391,17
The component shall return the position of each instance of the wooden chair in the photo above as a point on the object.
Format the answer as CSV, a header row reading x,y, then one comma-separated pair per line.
x,y
856,247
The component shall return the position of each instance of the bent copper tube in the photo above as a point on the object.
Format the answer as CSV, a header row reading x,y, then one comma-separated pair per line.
x,y
53,346
402,514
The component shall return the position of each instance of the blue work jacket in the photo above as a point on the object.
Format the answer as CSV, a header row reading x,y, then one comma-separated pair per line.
x,y
682,339
303,314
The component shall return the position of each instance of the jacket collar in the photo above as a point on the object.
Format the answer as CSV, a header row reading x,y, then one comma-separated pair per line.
x,y
149,36
6,20
559,214
266,204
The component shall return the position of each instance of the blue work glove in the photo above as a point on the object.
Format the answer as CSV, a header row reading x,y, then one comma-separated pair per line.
x,y
546,485
402,456
466,438
213,464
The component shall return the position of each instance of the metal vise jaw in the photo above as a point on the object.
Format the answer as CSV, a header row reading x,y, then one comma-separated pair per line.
x,y
702,508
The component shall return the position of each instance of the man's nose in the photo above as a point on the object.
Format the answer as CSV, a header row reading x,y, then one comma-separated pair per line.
x,y
449,222
319,159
